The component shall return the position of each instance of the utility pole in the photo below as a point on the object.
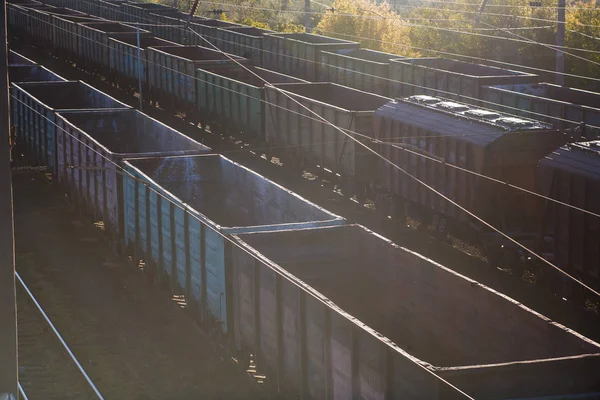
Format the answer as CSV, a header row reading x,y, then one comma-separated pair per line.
x,y
307,18
560,41
8,313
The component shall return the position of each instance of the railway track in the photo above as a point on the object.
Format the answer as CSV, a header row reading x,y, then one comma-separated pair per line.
x,y
46,369
133,341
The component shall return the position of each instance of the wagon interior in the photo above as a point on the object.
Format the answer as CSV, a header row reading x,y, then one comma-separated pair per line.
x,y
228,194
243,75
197,53
249,30
554,92
69,95
370,55
78,18
130,131
337,95
216,23
429,311
313,39
112,27
145,41
64,11
462,67
31,73
151,6
24,2
17,59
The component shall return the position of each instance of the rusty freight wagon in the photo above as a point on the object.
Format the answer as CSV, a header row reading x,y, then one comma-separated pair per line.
x,y
93,46
124,63
342,313
429,132
234,99
172,73
306,140
449,78
571,174
363,69
244,41
36,105
177,210
299,54
91,147
563,107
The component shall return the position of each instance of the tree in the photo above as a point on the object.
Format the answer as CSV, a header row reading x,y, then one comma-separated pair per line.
x,y
375,26
583,31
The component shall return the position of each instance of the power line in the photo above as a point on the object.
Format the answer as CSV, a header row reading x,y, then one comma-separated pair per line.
x,y
395,144
394,17
121,170
344,69
431,188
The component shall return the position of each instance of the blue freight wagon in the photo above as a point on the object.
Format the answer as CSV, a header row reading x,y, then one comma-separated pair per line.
x,y
16,59
31,73
172,73
36,105
42,24
91,147
205,197
563,107
124,63
362,69
65,36
299,54
342,313
233,99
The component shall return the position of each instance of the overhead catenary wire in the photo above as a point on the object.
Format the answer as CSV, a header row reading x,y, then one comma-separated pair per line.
x,y
399,145
121,170
439,52
459,206
400,17
431,188
59,337
470,98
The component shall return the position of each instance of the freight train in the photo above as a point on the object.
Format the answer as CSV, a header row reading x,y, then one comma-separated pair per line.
x,y
276,275
283,280
212,88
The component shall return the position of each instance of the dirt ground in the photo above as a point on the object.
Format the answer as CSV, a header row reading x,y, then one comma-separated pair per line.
x,y
133,340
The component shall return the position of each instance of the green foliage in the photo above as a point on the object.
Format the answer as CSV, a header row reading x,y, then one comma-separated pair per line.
x,y
376,26
433,29
579,34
